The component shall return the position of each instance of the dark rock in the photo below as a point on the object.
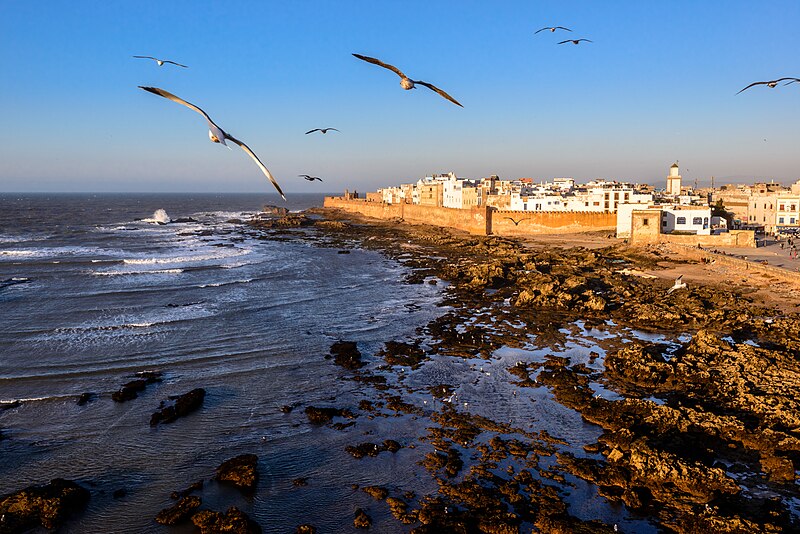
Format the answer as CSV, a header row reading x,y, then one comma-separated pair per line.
x,y
179,512
343,252
346,354
197,486
299,482
233,521
361,520
131,390
376,492
320,416
306,529
399,353
85,398
275,210
47,506
240,471
9,405
183,405
183,220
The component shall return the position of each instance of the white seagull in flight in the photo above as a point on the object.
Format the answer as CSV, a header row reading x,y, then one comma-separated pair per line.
x,y
552,29
216,133
161,61
679,284
406,82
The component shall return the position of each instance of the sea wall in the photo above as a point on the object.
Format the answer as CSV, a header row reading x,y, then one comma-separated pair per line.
x,y
473,220
733,238
481,220
520,223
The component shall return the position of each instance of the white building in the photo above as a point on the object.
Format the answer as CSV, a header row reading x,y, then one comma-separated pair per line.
x,y
788,212
538,201
686,219
674,181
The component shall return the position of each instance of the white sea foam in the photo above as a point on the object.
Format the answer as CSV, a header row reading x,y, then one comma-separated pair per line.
x,y
120,273
220,284
217,254
159,217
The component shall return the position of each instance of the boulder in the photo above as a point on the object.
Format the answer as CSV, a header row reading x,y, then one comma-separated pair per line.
x,y
240,471
182,405
179,512
47,506
234,521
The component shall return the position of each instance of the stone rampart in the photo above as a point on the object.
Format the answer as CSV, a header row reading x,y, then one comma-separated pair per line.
x,y
521,223
472,220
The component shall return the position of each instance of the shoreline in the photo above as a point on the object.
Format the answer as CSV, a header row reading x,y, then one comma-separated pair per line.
x,y
690,427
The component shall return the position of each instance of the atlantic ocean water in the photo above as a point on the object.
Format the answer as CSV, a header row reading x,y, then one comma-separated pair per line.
x,y
92,293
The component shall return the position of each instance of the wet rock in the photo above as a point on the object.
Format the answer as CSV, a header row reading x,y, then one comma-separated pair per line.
x,y
306,529
179,512
399,353
376,492
361,520
320,416
240,471
85,398
9,405
300,482
372,449
233,521
197,486
181,406
183,220
130,390
47,506
346,354
279,211
343,252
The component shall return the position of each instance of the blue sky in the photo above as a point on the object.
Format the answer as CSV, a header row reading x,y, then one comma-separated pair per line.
x,y
658,84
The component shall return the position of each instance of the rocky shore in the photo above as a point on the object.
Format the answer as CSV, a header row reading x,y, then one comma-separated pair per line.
x,y
694,393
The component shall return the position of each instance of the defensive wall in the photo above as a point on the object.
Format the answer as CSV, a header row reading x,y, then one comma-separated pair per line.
x,y
481,220
473,220
521,223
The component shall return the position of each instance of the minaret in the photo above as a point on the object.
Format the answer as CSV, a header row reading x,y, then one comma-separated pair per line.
x,y
674,181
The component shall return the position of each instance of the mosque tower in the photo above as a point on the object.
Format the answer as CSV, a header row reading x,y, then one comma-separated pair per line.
x,y
674,181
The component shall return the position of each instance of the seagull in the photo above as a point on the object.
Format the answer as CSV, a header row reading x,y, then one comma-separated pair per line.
x,y
575,41
310,178
161,61
679,284
216,133
771,84
793,80
552,29
323,130
406,82
516,223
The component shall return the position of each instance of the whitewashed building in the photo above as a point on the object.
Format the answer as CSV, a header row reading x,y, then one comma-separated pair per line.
x,y
788,212
686,219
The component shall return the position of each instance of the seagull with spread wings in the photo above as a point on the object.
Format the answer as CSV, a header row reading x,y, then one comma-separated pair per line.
x,y
552,29
406,82
161,61
217,134
516,223
323,130
679,284
309,178
575,41
771,84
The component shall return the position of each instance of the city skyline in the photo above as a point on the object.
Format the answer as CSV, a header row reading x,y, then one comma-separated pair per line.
x,y
657,84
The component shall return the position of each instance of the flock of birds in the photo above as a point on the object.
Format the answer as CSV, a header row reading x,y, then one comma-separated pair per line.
x,y
218,135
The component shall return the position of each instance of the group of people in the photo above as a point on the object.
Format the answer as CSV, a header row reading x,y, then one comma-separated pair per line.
x,y
791,246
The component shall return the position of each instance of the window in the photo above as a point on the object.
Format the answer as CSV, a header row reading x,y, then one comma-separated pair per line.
x,y
596,203
697,220
646,222
780,220
681,220
664,222
791,220
782,207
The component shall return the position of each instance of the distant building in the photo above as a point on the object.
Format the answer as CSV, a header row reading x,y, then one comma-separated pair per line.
x,y
788,213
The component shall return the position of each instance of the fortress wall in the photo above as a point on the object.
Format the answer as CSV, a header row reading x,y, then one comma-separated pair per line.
x,y
473,220
742,266
550,222
733,238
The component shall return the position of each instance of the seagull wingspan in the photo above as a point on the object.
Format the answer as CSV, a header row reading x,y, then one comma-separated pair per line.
x,y
170,96
178,64
442,93
543,29
381,64
563,28
258,162
146,57
314,130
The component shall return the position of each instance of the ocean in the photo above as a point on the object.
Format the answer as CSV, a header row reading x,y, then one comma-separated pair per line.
x,y
91,293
